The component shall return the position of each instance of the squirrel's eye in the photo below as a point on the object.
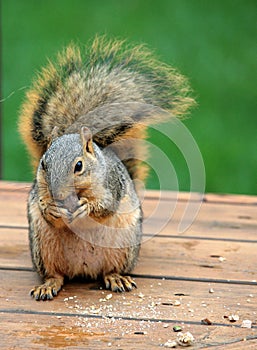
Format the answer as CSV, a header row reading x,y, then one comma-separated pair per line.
x,y
78,167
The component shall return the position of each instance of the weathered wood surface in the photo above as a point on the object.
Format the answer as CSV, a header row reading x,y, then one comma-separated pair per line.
x,y
175,274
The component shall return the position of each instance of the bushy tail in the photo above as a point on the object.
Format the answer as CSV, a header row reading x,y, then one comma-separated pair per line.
x,y
114,89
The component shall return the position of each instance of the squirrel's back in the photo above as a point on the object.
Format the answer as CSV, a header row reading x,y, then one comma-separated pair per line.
x,y
113,89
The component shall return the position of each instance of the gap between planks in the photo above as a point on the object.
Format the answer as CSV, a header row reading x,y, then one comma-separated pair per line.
x,y
157,277
150,235
123,318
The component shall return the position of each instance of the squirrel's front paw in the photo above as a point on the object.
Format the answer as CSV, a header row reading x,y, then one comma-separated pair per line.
x,y
48,290
118,283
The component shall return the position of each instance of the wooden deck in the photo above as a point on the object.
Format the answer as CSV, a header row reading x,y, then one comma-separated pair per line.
x,y
207,272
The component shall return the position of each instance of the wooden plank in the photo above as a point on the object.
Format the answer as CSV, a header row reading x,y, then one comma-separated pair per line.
x,y
24,187
199,259
156,194
239,199
153,300
82,316
13,208
48,332
213,221
80,310
11,186
14,248
159,256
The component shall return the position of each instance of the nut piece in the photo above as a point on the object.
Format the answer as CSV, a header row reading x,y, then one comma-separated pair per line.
x,y
233,318
185,339
140,295
221,259
170,344
206,321
108,296
246,324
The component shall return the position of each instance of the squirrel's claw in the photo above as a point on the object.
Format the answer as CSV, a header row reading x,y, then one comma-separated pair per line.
x,y
118,283
48,290
40,293
80,212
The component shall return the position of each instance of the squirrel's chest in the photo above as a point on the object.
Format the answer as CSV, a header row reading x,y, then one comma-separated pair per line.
x,y
83,257
80,256
91,248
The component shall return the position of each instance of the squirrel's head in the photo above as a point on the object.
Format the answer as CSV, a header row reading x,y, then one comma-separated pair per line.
x,y
69,167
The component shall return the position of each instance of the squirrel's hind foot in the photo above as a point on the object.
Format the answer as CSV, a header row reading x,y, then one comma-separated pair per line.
x,y
118,283
47,290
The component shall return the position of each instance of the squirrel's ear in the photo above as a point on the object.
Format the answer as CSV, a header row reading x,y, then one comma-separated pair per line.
x,y
87,141
53,136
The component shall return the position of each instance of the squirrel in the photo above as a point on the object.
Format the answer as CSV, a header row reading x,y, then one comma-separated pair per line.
x,y
82,121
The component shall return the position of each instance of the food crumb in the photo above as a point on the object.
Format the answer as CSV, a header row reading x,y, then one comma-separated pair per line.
x,y
177,329
170,344
185,339
206,321
246,324
221,259
233,318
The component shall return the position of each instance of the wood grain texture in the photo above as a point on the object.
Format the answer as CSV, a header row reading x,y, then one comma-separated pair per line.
x,y
208,271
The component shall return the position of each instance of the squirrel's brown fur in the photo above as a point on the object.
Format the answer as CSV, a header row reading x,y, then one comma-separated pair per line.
x,y
80,123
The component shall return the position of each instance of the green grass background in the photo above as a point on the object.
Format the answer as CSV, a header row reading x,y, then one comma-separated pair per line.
x,y
213,43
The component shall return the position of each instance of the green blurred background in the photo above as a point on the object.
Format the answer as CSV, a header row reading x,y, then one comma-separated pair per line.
x,y
213,43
